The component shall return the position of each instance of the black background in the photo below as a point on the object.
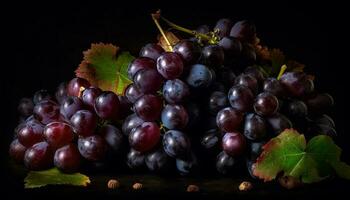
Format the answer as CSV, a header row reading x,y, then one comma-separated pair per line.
x,y
43,44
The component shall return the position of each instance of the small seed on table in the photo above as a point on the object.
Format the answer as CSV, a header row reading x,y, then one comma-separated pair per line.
x,y
245,186
137,186
192,188
113,184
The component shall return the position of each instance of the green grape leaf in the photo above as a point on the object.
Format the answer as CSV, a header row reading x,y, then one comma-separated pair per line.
x,y
105,67
53,176
289,154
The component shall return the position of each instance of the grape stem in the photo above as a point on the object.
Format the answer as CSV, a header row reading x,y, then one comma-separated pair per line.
x,y
282,70
155,17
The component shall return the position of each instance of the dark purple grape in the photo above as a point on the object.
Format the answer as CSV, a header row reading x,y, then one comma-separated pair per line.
x,y
274,87
226,76
67,158
89,96
17,151
223,26
46,111
140,63
320,103
30,133
233,144
125,107
41,95
244,30
217,101
278,123
256,149
132,93
266,104
188,165
296,84
144,137
210,139
199,76
25,107
248,54
149,81
203,29
131,122
322,129
39,156
76,86
213,55
157,161
135,159
61,92
225,163
241,98
256,73
248,81
324,120
295,109
170,65
84,122
232,46
58,134
107,105
175,91
92,148
189,51
71,105
174,117
112,136
254,127
151,51
176,144
229,119
148,107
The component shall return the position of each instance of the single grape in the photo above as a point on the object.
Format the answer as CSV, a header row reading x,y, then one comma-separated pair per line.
x,y
138,64
107,105
322,129
223,27
199,76
76,86
217,101
170,65
174,117
144,137
226,76
319,104
148,107
248,81
229,119
151,51
61,92
254,127
266,104
135,159
132,93
256,73
92,148
274,87
248,54
131,122
25,107
58,134
157,161
324,120
84,122
278,123
244,30
224,163
71,105
296,84
176,144
17,151
112,136
67,158
295,109
89,96
46,111
210,139
148,81
30,133
256,149
41,95
125,107
39,156
232,46
188,165
203,29
175,91
213,55
189,51
241,98
233,143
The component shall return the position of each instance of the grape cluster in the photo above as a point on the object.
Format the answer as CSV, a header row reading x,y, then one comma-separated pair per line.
x,y
204,105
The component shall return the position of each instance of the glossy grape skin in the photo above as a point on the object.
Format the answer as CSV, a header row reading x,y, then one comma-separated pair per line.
x,y
92,148
224,163
89,96
320,103
256,73
67,158
107,105
324,120
149,81
296,109
175,91
17,151
84,122
76,85
61,92
25,107
217,101
148,107
138,64
176,144
30,133
132,93
274,87
131,122
39,156
152,51
248,81
188,165
58,134
241,98
46,111
112,136
71,105
266,104
188,50
296,83
278,123
144,137
199,76
210,139
232,46
254,127
170,65
233,143
223,26
244,30
135,159
174,117
213,55
157,161
229,119
41,95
